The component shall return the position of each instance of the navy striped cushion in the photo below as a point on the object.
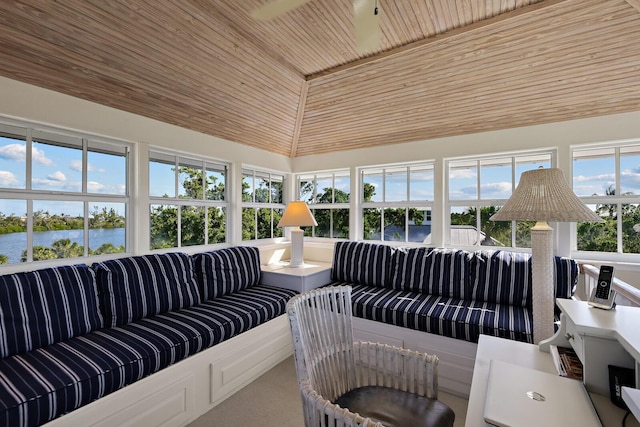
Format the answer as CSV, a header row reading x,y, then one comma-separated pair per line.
x,y
502,277
505,277
41,385
566,271
362,263
228,270
46,306
438,271
450,317
136,287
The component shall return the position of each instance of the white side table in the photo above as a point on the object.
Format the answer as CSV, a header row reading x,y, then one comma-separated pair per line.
x,y
311,275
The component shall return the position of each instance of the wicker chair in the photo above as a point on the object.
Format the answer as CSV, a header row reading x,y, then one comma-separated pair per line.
x,y
347,383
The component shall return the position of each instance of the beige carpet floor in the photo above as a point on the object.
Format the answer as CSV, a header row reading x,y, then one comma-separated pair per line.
x,y
273,401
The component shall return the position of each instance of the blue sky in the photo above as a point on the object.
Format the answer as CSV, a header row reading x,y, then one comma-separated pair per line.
x,y
58,169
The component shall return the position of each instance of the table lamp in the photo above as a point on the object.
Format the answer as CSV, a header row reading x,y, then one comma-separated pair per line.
x,y
297,214
543,195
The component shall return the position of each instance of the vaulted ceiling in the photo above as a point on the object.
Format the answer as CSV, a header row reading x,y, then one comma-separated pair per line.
x,y
295,85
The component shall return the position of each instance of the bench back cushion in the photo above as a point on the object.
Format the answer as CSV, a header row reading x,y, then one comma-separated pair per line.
x,y
136,287
502,277
362,263
505,277
226,271
443,272
42,307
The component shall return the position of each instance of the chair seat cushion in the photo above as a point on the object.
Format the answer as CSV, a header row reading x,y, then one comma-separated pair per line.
x,y
393,407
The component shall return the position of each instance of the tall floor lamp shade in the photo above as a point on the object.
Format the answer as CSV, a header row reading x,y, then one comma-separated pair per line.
x,y
297,214
543,195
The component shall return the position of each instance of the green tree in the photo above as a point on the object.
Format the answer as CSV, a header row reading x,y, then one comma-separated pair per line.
x,y
4,259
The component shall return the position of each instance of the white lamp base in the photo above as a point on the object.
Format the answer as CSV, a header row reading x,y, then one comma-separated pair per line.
x,y
542,278
297,248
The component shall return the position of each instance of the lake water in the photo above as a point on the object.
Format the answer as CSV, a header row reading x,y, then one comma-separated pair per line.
x,y
13,244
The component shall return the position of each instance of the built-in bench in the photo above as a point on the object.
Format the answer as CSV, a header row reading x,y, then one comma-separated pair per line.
x,y
441,300
72,335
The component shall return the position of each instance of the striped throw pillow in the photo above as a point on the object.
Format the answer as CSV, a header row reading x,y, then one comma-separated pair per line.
x,y
228,270
362,263
42,307
136,287
443,272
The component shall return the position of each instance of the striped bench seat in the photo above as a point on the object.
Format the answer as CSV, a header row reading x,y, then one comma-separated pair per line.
x,y
44,383
444,291
446,316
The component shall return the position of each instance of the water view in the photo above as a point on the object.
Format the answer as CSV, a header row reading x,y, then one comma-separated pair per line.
x,y
13,244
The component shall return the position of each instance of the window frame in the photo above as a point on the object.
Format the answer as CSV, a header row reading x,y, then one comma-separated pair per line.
x,y
618,200
425,205
256,172
178,201
313,177
30,133
478,203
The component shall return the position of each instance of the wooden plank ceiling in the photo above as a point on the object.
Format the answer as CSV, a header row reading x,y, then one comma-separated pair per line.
x,y
296,86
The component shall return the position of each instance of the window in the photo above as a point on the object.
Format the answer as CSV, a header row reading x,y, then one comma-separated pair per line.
x,y
483,185
328,195
188,201
397,202
262,204
62,195
607,179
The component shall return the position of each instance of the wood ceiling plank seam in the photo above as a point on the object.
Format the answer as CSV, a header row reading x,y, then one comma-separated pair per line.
x,y
472,28
466,12
438,14
474,109
177,77
198,7
195,33
512,45
335,27
635,4
392,15
126,106
513,72
199,27
299,117
250,55
423,15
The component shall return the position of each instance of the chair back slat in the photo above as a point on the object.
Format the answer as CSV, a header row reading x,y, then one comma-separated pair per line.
x,y
323,340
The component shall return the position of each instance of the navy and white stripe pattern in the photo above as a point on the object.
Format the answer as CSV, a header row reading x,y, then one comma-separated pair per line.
x,y
505,277
502,277
42,307
437,271
43,384
450,317
566,271
228,270
136,287
362,263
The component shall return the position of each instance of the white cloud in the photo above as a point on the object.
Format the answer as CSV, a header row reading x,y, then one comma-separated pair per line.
x,y
95,187
496,188
76,165
462,173
39,157
609,177
57,176
15,152
8,179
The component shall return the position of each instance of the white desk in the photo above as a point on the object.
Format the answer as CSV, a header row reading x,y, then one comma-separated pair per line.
x,y
311,275
599,337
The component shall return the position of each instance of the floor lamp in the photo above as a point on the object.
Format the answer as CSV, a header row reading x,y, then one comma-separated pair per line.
x,y
297,214
543,195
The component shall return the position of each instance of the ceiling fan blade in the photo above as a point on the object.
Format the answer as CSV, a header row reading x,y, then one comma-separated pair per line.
x,y
275,8
367,25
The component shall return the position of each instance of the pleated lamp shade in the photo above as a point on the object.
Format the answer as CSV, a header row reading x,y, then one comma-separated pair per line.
x,y
544,195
